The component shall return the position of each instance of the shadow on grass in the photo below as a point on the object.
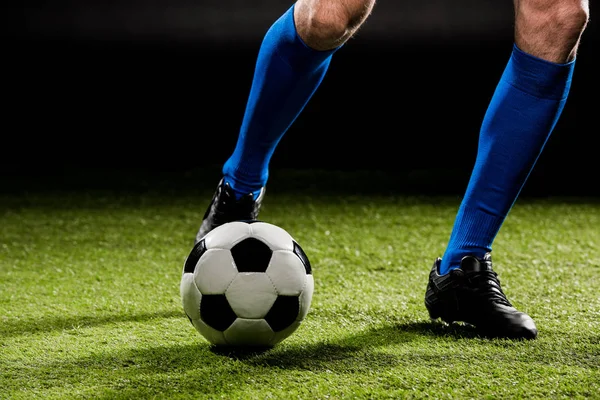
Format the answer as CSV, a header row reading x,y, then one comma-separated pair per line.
x,y
13,328
209,371
356,349
371,338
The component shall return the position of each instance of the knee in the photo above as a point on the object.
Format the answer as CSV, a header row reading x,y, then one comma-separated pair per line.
x,y
550,29
572,16
326,24
564,18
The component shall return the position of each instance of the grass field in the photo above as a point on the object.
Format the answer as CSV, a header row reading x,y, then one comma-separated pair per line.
x,y
90,307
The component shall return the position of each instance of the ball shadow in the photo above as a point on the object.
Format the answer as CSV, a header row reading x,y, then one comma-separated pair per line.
x,y
239,353
347,346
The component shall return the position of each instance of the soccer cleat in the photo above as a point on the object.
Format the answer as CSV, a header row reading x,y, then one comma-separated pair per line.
x,y
472,294
224,207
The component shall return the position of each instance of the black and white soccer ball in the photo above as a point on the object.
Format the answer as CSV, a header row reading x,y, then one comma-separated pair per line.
x,y
247,283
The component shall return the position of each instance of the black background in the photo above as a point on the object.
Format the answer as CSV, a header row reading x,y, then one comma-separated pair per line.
x,y
160,86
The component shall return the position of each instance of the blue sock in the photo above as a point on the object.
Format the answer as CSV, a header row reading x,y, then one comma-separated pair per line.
x,y
287,74
519,120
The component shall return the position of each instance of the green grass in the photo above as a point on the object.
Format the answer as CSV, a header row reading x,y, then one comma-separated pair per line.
x,y
90,307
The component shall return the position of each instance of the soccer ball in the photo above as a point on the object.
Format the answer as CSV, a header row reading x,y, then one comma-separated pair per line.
x,y
246,283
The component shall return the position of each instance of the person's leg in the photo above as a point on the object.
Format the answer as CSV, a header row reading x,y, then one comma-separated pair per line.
x,y
524,109
291,63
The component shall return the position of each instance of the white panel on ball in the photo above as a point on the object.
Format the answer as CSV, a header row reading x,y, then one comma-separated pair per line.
x,y
227,235
287,273
215,271
306,297
190,296
237,333
276,237
210,334
254,303
279,336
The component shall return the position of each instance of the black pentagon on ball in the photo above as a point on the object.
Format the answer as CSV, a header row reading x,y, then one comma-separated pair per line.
x,y
251,255
303,257
283,312
192,259
216,312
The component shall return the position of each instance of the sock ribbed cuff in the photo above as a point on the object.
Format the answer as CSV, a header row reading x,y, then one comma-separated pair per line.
x,y
538,77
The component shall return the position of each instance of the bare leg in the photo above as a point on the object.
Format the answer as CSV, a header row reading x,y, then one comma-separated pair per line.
x,y
327,24
550,29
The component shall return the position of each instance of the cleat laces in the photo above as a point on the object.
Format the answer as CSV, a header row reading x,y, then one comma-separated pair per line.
x,y
484,284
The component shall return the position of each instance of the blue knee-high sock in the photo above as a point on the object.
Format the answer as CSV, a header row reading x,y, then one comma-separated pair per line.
x,y
519,120
287,74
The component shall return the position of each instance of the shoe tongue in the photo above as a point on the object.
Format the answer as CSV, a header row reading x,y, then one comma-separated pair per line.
x,y
473,264
252,196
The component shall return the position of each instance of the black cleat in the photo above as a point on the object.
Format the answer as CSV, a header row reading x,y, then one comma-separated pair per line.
x,y
472,294
225,208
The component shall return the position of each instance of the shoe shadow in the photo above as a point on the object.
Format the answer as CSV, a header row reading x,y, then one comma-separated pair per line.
x,y
455,330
